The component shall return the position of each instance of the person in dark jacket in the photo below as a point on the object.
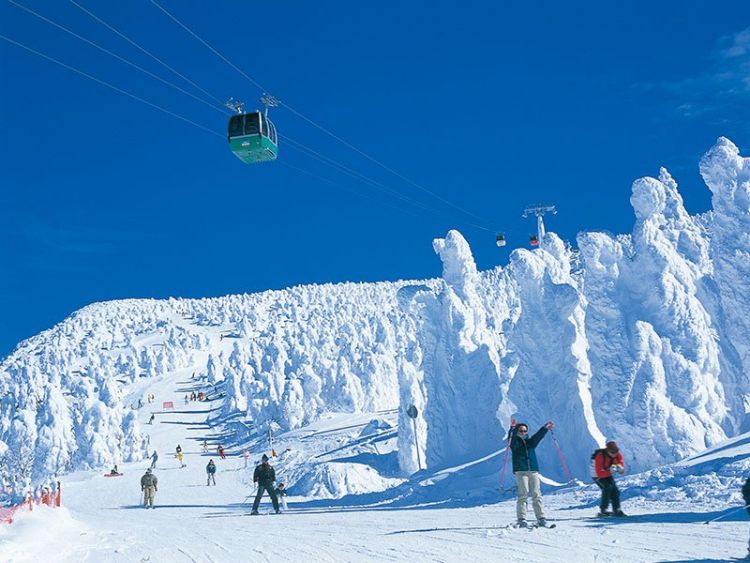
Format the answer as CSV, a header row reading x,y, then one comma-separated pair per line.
x,y
149,484
211,472
526,470
606,461
265,475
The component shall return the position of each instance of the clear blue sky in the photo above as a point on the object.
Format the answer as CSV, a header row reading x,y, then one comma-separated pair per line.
x,y
490,105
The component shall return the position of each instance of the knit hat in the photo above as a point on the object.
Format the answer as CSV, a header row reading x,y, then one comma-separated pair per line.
x,y
264,458
612,447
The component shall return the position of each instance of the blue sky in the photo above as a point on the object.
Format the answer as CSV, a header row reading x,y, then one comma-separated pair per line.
x,y
488,105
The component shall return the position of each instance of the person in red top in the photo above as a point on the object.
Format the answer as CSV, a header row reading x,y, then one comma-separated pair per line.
x,y
608,461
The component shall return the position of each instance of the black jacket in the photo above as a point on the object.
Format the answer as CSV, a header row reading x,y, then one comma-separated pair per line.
x,y
746,493
264,474
524,450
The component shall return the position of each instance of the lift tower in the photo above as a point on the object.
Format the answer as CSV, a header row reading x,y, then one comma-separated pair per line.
x,y
539,211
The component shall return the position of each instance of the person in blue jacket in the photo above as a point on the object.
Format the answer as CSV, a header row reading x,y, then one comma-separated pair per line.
x,y
526,470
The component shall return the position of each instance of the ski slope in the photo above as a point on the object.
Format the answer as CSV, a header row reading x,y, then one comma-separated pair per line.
x,y
429,518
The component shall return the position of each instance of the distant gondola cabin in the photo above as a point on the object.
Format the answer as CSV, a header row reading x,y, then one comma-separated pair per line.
x,y
533,240
252,137
500,239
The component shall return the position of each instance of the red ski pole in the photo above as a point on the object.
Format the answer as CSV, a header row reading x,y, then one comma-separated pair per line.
x,y
507,451
561,456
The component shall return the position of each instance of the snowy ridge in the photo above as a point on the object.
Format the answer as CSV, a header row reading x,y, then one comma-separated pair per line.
x,y
643,338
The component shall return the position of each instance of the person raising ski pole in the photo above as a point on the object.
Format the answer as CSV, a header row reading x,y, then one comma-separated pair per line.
x,y
606,461
526,470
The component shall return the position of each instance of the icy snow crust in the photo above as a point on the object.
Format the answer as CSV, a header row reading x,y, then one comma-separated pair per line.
x,y
642,338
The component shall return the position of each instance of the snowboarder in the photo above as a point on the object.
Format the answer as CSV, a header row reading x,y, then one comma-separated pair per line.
x,y
220,451
264,476
149,484
246,455
151,419
281,495
114,471
606,461
211,472
526,470
205,447
154,459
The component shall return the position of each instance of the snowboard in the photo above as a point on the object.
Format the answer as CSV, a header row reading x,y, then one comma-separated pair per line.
x,y
114,474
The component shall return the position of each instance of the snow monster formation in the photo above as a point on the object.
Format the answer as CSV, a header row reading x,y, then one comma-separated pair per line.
x,y
641,338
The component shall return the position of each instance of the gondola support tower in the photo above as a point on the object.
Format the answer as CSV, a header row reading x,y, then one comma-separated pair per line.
x,y
539,211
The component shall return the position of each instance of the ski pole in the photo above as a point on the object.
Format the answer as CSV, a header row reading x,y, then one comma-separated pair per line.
x,y
562,457
507,451
727,514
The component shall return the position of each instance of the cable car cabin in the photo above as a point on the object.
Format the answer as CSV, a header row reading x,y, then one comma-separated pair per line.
x,y
533,240
252,137
500,239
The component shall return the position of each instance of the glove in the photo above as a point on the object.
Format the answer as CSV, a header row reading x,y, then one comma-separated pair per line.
x,y
549,425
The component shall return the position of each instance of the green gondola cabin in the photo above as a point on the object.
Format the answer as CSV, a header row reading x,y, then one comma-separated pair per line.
x,y
252,137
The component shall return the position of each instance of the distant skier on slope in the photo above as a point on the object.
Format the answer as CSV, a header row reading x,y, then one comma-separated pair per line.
x,y
264,476
526,470
605,461
281,495
149,484
154,459
211,472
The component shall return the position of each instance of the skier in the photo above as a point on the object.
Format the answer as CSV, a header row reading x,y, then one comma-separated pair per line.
x,y
265,475
281,495
606,461
154,459
746,496
526,470
151,419
205,447
149,484
246,455
220,451
211,472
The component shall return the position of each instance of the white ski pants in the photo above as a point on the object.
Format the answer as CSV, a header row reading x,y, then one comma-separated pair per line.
x,y
528,484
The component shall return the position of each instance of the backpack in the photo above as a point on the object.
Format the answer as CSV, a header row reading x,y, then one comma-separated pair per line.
x,y
602,451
